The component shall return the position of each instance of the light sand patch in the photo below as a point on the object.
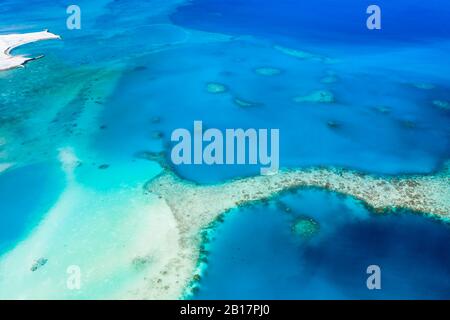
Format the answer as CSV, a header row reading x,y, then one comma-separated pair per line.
x,y
10,41
69,160
5,166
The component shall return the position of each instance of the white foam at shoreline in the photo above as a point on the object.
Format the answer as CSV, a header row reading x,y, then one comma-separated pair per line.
x,y
10,41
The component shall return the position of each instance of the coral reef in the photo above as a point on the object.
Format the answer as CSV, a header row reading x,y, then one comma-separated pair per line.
x,y
305,227
319,96
423,86
195,207
245,103
442,104
268,71
215,88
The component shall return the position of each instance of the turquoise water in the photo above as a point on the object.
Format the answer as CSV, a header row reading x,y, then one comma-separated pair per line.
x,y
157,68
26,194
255,254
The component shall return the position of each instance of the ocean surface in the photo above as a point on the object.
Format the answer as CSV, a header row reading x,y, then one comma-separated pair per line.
x,y
137,70
255,253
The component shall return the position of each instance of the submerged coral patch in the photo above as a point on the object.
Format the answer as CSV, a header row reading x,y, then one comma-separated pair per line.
x,y
305,227
39,263
319,96
383,109
303,55
333,125
268,71
442,104
245,103
424,86
295,53
140,263
156,135
215,88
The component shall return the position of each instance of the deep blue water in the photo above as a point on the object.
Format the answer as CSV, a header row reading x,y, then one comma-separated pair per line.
x,y
26,194
255,255
413,138
321,20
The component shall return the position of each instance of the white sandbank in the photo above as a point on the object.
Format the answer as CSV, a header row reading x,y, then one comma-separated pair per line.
x,y
10,41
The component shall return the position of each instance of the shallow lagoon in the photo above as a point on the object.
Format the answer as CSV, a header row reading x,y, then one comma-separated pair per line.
x,y
26,194
255,254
